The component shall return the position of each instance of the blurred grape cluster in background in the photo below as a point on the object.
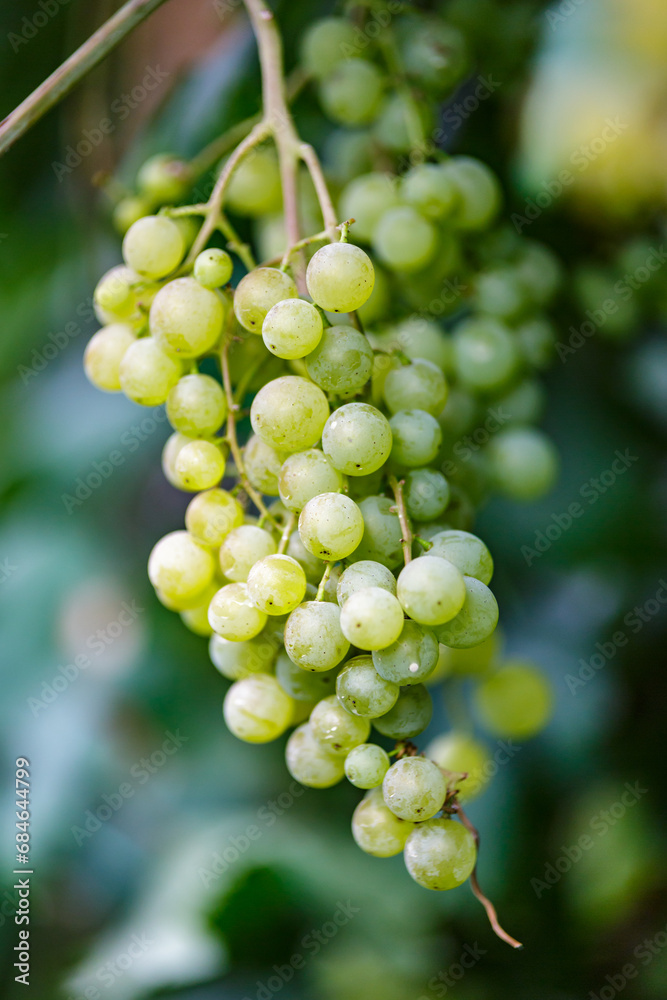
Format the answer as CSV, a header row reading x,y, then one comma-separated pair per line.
x,y
170,859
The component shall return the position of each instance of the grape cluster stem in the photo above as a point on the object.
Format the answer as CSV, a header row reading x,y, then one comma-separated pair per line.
x,y
406,531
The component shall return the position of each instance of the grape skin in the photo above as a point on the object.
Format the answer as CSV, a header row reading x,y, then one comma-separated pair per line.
x,y
366,765
342,361
414,788
336,729
313,636
376,829
289,413
357,438
186,318
232,614
411,658
242,548
360,575
410,715
179,567
371,618
292,328
104,353
310,763
460,753
304,476
331,526
340,277
440,854
361,690
147,373
256,709
211,515
276,584
476,620
431,591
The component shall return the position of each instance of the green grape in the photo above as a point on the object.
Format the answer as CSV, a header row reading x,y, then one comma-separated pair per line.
x,y
335,728
474,661
499,292
366,765
375,828
426,494
371,618
153,246
440,854
434,53
210,516
365,199
254,188
236,660
128,211
478,192
357,439
170,453
242,548
400,122
311,564
420,385
164,179
421,338
147,373
258,292
331,526
516,701
416,437
180,568
431,591
411,659
381,541
197,406
466,551
313,637
524,462
428,188
262,465
306,475
256,709
289,413
232,614
476,620
536,339
351,93
410,715
213,267
362,691
414,788
310,763
114,297
292,328
304,685
326,43
404,240
340,277
342,362
196,618
199,465
485,354
276,584
461,754
361,575
104,352
186,318
524,403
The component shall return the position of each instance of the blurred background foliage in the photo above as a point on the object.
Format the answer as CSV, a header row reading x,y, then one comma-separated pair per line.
x,y
215,928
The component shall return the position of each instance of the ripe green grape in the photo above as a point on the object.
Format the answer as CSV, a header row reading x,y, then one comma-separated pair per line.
x,y
164,179
371,618
242,548
326,43
478,192
411,658
466,551
499,292
366,765
186,318
399,121
213,267
461,754
331,526
262,465
381,541
179,567
310,763
170,453
434,53
516,701
196,406
524,462
254,188
357,438
128,210
276,584
351,92
418,338
485,354
414,788
420,385
476,620
363,574
153,246
104,352
289,413
313,636
416,437
337,729
342,362
365,199
199,465
523,403
236,660
440,854
304,476
426,494
304,685
256,709
376,829
410,715
311,564
431,591
404,240
232,614
430,190
147,373
340,277
362,691
211,515
196,617
114,297
258,292
292,328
